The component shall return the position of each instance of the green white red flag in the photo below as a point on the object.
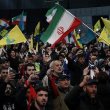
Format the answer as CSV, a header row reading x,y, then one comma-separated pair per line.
x,y
17,19
62,23
4,23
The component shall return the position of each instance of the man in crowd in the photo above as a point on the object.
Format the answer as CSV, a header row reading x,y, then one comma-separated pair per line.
x,y
51,79
84,96
76,67
63,87
41,99
53,73
4,62
7,90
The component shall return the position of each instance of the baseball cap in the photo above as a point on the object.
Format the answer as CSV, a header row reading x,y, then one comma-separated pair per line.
x,y
92,81
64,76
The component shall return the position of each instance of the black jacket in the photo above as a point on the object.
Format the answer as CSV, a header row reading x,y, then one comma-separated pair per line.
x,y
76,71
6,102
104,94
21,99
78,100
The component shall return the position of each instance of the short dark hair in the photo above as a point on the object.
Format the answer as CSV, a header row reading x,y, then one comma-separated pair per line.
x,y
29,55
3,60
61,55
41,88
29,64
3,68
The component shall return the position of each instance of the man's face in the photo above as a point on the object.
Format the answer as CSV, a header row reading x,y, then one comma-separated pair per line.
x,y
48,49
6,64
61,59
108,53
30,70
93,58
42,98
81,60
30,59
57,67
65,83
8,90
91,90
46,58
13,54
4,73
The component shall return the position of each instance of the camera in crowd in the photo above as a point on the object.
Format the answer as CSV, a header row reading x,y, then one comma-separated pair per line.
x,y
92,66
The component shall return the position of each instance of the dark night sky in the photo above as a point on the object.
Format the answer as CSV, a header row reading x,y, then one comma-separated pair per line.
x,y
33,16
88,3
33,4
36,9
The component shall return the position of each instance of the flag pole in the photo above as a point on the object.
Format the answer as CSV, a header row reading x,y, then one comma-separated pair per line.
x,y
90,29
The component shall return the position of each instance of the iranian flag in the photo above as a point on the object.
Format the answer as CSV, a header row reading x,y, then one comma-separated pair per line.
x,y
17,19
4,23
62,23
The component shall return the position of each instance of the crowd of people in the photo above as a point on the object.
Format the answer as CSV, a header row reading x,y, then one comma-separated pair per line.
x,y
61,78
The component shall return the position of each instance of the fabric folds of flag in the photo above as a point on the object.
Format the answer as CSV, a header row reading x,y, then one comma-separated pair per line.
x,y
104,36
37,29
87,37
69,39
4,23
15,36
106,23
1,28
21,23
20,20
17,19
76,36
62,24
36,34
97,26
50,14
3,33
31,43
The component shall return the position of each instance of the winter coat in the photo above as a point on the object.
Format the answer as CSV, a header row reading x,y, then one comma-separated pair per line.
x,y
6,102
77,99
76,71
104,94
58,102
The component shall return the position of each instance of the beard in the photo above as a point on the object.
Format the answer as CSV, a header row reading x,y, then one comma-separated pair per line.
x,y
42,103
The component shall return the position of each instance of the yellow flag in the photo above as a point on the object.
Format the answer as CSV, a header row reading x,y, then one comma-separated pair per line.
x,y
37,32
37,29
37,47
77,36
3,32
15,36
104,37
31,43
97,26
106,24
